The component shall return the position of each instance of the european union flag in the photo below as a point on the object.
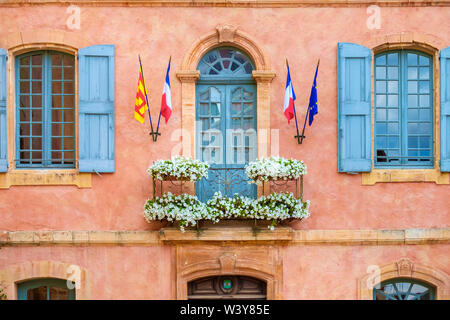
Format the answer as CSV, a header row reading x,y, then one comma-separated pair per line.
x,y
313,110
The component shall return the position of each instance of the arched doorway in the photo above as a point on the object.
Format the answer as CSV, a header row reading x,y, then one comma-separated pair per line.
x,y
226,121
227,287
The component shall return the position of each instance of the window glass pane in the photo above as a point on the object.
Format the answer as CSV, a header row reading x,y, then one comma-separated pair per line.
x,y
393,73
39,293
380,72
392,114
381,115
393,100
380,100
412,73
412,101
58,293
392,59
424,101
412,59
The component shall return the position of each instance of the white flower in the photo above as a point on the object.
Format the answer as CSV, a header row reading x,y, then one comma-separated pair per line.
x,y
180,167
274,168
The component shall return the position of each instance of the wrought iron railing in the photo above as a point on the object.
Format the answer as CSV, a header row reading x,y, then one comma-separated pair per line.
x,y
230,181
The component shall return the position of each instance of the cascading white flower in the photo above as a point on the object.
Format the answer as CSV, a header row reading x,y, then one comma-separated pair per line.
x,y
274,168
187,210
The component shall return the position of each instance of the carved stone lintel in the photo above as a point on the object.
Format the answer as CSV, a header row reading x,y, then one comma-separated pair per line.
x,y
188,75
226,33
227,262
405,267
263,75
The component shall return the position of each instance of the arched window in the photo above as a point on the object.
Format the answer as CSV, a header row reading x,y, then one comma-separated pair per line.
x,y
404,289
45,110
227,287
403,110
226,122
45,289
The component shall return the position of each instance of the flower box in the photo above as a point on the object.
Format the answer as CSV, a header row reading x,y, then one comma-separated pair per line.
x,y
187,210
178,168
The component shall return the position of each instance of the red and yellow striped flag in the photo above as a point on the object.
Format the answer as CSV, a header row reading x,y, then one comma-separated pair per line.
x,y
141,103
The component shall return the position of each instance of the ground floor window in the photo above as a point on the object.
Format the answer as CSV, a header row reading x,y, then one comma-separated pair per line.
x,y
404,289
45,289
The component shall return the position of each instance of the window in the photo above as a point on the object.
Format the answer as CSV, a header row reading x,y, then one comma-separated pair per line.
x,y
226,122
403,109
388,113
404,289
45,289
45,110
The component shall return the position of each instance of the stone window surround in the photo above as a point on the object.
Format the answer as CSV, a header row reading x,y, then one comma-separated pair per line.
x,y
18,43
424,43
15,274
225,35
406,268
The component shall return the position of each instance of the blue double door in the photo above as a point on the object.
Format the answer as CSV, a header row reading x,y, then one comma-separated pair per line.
x,y
226,137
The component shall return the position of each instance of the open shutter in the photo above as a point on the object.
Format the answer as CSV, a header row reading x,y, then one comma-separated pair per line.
x,y
96,109
445,110
3,154
354,136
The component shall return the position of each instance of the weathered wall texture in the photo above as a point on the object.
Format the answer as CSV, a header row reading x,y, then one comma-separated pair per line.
x,y
115,201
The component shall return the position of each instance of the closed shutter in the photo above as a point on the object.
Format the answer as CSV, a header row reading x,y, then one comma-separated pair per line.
x,y
445,110
3,141
96,109
354,136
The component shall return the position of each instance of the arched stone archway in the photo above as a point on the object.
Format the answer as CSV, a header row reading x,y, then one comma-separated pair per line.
x,y
225,35
260,262
14,274
404,268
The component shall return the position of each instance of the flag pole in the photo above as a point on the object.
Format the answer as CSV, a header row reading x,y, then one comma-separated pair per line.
x,y
295,113
146,99
307,112
159,117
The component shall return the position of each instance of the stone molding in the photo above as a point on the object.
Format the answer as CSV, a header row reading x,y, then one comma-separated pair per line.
x,y
281,235
405,268
261,262
14,274
227,3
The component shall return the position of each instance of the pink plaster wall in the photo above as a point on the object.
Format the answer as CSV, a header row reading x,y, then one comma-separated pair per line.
x,y
332,272
309,272
115,201
114,272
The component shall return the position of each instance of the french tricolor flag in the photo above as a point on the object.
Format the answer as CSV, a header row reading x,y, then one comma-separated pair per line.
x,y
289,98
166,101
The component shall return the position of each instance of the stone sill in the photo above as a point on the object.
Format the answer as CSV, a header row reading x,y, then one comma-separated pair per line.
x,y
227,234
404,175
49,177
281,235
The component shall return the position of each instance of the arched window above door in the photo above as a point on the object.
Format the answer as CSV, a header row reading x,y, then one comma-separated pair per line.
x,y
225,62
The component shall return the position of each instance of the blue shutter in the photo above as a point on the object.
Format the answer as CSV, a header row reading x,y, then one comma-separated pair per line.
x,y
96,109
445,110
354,137
3,154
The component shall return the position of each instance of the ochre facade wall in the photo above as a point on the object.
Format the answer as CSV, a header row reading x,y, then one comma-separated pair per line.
x,y
115,201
